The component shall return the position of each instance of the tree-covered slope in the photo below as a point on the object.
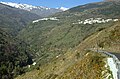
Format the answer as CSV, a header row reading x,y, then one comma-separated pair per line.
x,y
13,19
14,56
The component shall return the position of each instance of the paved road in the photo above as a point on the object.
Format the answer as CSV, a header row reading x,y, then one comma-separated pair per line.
x,y
118,63
115,56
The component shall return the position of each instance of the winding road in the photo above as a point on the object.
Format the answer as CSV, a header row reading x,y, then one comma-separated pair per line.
x,y
115,56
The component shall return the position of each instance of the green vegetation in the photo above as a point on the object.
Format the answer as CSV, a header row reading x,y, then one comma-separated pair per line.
x,y
51,38
13,20
91,66
59,47
78,63
14,55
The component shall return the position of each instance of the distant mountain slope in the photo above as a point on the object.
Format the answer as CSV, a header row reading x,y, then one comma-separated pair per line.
x,y
13,20
39,10
99,9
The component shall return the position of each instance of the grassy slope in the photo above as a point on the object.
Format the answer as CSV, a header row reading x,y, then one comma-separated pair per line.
x,y
53,40
78,62
69,66
107,39
50,39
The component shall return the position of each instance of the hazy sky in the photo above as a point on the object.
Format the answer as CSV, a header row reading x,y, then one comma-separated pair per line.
x,y
53,3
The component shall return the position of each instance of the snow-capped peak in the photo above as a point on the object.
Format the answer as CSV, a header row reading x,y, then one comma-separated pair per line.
x,y
24,6
30,7
63,8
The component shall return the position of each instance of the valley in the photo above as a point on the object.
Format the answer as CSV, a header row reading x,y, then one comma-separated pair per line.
x,y
63,45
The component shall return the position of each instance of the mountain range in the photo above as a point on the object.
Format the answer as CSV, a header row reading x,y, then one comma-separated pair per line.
x,y
39,10
14,16
13,20
58,46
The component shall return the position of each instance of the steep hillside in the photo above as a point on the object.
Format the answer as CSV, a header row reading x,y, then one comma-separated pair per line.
x,y
70,66
61,42
107,39
13,20
14,56
79,62
56,34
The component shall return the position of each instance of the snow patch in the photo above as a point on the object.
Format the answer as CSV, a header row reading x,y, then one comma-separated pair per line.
x,y
25,6
63,8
